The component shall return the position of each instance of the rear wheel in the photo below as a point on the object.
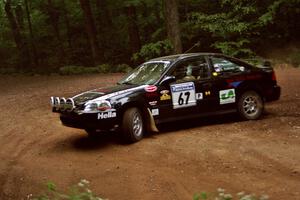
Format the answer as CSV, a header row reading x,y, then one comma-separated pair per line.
x,y
133,125
250,105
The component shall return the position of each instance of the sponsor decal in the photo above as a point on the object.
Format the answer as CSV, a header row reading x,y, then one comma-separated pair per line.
x,y
106,115
207,93
164,92
155,112
227,96
235,84
150,88
153,103
199,96
183,95
182,87
165,95
243,78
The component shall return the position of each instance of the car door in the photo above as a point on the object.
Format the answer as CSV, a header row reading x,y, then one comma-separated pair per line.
x,y
227,75
191,94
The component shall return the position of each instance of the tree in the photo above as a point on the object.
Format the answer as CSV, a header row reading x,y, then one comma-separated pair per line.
x,y
34,51
20,42
54,15
172,24
90,29
133,30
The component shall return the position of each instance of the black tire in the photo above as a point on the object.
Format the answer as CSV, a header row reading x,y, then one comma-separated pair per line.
x,y
132,125
250,105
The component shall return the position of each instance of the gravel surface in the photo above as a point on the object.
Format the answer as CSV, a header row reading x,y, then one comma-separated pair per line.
x,y
261,157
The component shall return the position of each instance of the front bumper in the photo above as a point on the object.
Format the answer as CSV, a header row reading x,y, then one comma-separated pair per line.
x,y
101,121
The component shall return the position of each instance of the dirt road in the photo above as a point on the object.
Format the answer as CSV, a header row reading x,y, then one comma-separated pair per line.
x,y
254,156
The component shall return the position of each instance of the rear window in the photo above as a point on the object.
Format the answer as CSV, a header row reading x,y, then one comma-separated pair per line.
x,y
225,65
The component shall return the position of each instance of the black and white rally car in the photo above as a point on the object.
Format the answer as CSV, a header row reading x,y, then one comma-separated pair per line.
x,y
171,88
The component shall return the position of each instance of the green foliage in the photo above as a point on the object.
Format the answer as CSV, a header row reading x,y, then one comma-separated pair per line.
x,y
76,192
73,70
235,27
122,68
7,70
104,68
294,58
153,50
238,49
222,195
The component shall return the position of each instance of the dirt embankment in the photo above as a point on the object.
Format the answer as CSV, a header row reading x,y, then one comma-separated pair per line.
x,y
257,156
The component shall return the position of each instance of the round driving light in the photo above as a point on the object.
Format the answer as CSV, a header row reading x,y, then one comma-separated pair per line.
x,y
56,103
70,105
52,101
62,104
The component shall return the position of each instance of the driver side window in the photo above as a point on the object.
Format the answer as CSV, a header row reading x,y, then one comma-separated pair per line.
x,y
192,70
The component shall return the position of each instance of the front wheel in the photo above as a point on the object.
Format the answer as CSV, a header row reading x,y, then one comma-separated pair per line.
x,y
132,125
250,105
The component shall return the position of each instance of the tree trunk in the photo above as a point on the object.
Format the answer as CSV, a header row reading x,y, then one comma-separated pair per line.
x,y
133,31
34,51
67,23
54,21
90,29
172,24
19,16
24,56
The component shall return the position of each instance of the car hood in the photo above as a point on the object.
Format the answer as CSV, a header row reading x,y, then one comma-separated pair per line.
x,y
105,93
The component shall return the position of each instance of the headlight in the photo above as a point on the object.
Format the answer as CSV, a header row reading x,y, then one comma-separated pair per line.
x,y
93,107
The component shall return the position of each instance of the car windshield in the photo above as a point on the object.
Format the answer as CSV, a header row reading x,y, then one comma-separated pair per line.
x,y
147,73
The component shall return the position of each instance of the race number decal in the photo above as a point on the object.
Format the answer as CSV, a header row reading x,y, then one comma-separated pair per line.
x,y
183,95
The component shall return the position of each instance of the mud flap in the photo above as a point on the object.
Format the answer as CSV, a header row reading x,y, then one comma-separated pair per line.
x,y
151,126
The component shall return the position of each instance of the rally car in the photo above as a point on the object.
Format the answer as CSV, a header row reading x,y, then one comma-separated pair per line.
x,y
171,88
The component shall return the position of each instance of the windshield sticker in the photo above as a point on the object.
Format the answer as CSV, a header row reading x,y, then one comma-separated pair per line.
x,y
106,115
155,112
227,96
183,95
199,96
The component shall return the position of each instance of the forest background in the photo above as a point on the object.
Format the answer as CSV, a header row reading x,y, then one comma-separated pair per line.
x,y
46,36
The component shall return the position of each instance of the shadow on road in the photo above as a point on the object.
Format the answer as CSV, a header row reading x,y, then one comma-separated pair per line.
x,y
83,142
198,122
102,140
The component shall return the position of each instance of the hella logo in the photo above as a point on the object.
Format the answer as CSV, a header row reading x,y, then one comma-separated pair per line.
x,y
106,115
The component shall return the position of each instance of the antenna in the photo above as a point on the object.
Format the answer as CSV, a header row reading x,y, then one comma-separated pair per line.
x,y
197,44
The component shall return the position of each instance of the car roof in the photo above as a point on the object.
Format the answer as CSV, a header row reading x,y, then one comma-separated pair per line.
x,y
185,55
176,57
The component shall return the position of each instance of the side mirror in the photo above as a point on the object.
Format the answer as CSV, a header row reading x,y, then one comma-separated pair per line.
x,y
168,79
